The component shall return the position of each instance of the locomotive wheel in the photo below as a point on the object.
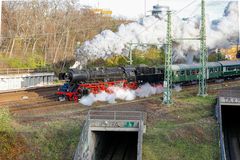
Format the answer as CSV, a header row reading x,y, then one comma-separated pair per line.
x,y
75,97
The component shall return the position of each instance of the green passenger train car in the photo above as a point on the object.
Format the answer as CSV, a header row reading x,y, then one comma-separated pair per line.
x,y
230,69
184,73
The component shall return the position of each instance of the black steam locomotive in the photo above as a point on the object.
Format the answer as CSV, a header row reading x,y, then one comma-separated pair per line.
x,y
82,82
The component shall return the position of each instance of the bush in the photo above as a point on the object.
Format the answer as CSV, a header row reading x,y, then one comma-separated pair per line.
x,y
5,120
32,61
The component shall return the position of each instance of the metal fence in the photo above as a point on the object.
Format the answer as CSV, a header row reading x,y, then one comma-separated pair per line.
x,y
7,71
234,93
116,115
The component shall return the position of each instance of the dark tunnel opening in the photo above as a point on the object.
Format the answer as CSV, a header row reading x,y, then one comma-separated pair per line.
x,y
231,131
115,145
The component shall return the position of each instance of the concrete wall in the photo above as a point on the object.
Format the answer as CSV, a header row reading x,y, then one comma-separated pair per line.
x,y
21,81
82,151
90,140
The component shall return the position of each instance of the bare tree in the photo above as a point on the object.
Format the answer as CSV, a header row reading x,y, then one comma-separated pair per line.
x,y
50,29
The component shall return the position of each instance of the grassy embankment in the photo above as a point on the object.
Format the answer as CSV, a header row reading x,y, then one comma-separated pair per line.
x,y
38,140
186,130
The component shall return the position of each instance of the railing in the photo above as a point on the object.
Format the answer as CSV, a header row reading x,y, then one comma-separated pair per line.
x,y
116,115
7,71
230,93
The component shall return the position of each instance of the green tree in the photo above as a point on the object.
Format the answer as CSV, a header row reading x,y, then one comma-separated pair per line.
x,y
216,57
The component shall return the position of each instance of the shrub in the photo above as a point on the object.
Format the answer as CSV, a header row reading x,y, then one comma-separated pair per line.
x,y
5,120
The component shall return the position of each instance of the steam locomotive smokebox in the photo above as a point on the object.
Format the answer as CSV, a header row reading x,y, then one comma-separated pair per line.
x,y
75,75
61,76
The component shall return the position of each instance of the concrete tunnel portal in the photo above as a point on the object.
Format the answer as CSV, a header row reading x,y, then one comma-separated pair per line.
x,y
112,135
112,145
228,113
231,131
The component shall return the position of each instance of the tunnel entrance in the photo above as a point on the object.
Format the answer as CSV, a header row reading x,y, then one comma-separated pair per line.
x,y
231,131
113,145
112,135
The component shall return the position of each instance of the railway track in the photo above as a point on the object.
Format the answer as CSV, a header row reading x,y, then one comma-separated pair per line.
x,y
45,97
31,98
40,89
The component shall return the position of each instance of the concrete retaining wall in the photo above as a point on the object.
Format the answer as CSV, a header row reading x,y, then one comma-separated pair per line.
x,y
22,81
112,121
82,151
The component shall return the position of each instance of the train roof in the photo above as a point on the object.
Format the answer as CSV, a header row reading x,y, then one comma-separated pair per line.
x,y
177,67
230,63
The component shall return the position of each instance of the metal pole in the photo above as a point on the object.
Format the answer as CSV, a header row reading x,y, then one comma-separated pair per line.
x,y
0,21
130,55
167,95
203,55
145,8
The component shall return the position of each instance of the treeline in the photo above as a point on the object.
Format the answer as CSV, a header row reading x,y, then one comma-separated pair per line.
x,y
152,57
38,33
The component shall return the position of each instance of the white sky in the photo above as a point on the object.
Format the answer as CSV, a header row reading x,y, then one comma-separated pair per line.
x,y
135,8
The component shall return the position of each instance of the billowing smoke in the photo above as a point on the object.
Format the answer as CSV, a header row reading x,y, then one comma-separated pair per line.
x,y
118,93
220,33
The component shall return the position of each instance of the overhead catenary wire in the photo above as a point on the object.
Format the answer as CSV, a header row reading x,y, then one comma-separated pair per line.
x,y
32,36
175,13
90,28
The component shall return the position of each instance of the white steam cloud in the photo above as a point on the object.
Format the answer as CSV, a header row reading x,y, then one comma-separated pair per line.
x,y
220,33
143,91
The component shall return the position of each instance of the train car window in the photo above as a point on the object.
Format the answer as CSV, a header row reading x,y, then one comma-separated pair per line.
x,y
182,73
194,72
231,69
188,72
211,70
177,73
224,69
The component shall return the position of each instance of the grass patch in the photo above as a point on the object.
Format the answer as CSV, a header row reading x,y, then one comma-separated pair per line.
x,y
197,100
5,120
11,143
54,140
190,135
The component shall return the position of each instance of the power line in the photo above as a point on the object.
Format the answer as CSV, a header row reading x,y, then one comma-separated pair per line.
x,y
177,12
188,5
91,28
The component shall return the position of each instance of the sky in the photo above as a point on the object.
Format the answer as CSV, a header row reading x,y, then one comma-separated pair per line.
x,y
134,9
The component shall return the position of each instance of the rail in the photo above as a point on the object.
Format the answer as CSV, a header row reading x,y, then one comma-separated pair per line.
x,y
116,115
7,71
